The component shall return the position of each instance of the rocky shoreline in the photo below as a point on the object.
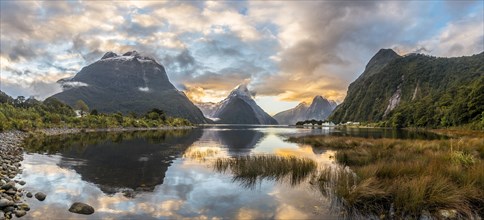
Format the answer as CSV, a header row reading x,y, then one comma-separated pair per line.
x,y
12,196
11,154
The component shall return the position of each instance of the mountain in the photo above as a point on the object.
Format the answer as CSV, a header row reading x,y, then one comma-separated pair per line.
x,y
207,108
128,83
4,98
238,108
319,109
291,116
416,90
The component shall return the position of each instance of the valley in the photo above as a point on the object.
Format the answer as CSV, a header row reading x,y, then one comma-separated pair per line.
x,y
248,109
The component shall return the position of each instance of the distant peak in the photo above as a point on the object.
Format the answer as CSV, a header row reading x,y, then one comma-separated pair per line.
x,y
109,55
241,90
302,104
241,87
382,57
385,54
318,97
130,55
133,53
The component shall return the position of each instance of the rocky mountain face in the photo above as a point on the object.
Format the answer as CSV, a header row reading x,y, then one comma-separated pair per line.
x,y
207,108
416,90
319,109
238,108
128,83
4,98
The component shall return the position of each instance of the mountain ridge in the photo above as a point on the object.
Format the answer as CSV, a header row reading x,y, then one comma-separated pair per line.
x,y
416,90
128,83
319,109
238,108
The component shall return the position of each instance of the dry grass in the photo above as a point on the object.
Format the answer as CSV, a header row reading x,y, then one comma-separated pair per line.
x,y
250,170
406,178
456,133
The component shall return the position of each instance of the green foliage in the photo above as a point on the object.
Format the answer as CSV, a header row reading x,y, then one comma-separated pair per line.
x,y
459,106
398,120
94,112
435,92
313,122
4,98
30,114
82,107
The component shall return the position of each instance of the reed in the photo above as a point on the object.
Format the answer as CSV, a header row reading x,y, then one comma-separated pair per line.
x,y
250,170
406,178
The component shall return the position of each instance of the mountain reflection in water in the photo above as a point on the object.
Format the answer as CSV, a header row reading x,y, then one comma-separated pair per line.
x,y
114,161
135,160
170,174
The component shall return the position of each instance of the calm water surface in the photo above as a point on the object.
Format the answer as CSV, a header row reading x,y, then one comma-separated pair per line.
x,y
170,174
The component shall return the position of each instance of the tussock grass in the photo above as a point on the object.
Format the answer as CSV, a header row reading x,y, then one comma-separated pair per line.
x,y
200,155
405,178
250,170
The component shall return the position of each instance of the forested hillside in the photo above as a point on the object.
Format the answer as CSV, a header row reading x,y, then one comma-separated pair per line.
x,y
417,90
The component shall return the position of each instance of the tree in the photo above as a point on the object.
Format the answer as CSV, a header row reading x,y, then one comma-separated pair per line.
x,y
94,112
82,107
397,120
156,114
53,105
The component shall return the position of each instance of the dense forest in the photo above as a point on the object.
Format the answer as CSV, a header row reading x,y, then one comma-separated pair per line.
x,y
417,91
31,114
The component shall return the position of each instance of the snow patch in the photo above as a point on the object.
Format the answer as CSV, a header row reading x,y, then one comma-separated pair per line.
x,y
121,58
73,84
144,89
214,119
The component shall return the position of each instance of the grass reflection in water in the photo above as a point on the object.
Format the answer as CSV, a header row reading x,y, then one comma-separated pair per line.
x,y
381,178
249,170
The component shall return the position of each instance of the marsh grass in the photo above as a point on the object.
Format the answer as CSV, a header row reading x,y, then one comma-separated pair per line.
x,y
404,178
250,170
200,155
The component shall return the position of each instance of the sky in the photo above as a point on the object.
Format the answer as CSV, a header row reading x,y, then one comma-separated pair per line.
x,y
286,51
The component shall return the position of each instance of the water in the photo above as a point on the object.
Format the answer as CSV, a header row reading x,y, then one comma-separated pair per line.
x,y
171,174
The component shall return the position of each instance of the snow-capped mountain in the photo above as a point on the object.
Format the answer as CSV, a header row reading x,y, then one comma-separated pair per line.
x,y
126,83
238,108
319,109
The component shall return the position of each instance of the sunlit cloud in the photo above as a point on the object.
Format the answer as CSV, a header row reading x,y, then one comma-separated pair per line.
x,y
290,51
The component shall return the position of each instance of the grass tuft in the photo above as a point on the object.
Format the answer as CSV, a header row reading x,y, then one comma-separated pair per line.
x,y
405,178
250,170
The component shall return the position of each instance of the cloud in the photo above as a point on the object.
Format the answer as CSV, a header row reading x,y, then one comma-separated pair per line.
x,y
182,63
73,84
459,38
291,50
38,89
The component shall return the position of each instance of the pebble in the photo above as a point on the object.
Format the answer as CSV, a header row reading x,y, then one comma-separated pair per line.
x,y
81,208
6,203
40,196
20,213
24,206
11,156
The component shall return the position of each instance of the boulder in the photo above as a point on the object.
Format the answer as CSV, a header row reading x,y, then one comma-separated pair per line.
x,y
81,208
